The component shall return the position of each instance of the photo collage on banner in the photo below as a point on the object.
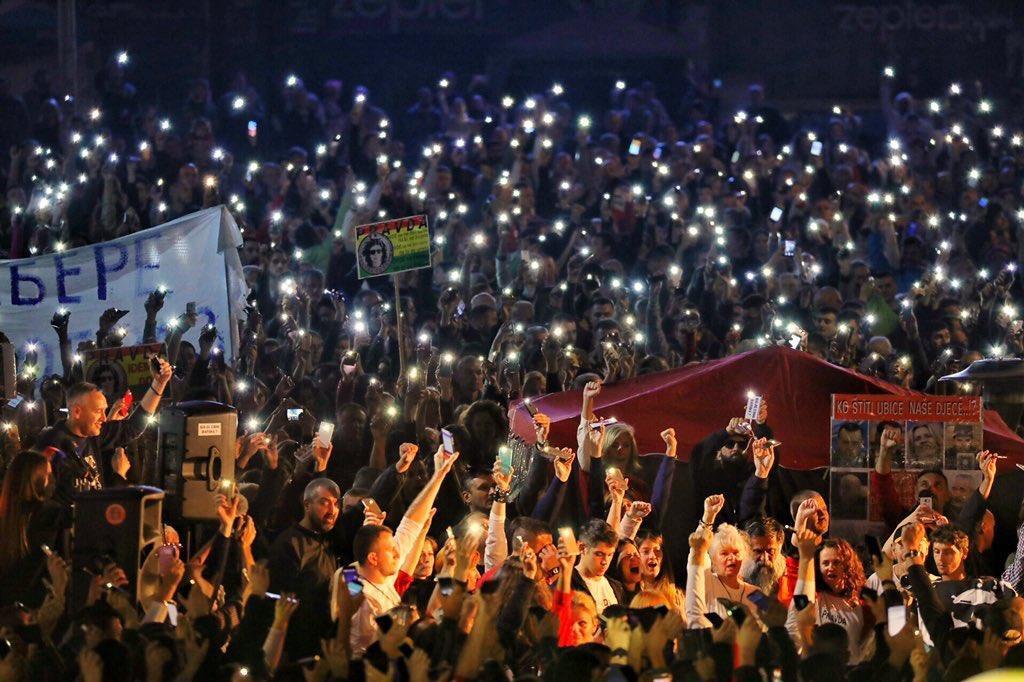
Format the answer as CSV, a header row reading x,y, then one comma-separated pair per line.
x,y
921,432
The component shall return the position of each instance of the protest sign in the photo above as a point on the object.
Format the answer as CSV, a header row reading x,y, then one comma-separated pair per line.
x,y
194,258
921,433
393,246
116,370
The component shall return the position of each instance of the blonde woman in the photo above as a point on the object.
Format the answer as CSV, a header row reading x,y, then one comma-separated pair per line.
x,y
713,568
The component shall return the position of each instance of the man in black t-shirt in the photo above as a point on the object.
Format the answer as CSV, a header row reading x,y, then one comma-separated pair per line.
x,y
77,443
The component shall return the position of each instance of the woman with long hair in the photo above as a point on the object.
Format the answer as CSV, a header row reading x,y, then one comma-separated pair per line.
x,y
626,568
27,521
621,450
655,572
831,577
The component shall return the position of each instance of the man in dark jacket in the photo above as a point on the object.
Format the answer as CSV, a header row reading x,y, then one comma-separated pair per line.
x,y
722,463
303,561
77,443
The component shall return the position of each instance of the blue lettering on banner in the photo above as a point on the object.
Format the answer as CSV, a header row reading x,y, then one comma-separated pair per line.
x,y
62,273
142,263
16,279
103,269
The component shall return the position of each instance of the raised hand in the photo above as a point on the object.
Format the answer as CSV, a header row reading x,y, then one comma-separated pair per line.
x,y
805,512
110,317
563,464
161,374
764,457
591,390
807,542
502,478
120,463
227,510
762,414
669,436
700,541
443,462
712,505
542,426
638,510
738,427
59,572
248,534
892,436
596,438
406,456
987,464
59,322
372,518
617,484
321,454
285,608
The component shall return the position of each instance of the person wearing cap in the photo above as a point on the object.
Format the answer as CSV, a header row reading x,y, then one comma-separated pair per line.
x,y
964,448
483,319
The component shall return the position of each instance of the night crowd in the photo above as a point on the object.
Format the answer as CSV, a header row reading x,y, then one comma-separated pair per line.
x,y
571,250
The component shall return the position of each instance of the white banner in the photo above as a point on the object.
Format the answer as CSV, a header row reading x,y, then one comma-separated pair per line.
x,y
195,258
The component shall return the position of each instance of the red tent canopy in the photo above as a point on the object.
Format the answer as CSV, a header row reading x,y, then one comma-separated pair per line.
x,y
699,399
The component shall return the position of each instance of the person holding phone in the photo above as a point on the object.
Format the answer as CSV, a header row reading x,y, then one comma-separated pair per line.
x,y
379,554
722,463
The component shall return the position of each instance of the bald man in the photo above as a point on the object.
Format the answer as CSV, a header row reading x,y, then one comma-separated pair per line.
x,y
78,444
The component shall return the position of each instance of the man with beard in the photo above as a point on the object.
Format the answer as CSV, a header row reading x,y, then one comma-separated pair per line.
x,y
766,565
722,463
384,489
302,560
961,454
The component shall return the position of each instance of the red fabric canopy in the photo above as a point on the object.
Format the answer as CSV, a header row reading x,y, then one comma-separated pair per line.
x,y
701,398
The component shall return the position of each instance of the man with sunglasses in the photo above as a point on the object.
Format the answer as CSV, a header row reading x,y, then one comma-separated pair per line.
x,y
722,463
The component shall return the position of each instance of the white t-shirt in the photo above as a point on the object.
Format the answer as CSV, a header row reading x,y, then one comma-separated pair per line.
x,y
600,590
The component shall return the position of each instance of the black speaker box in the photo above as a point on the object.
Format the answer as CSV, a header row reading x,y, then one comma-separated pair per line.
x,y
115,523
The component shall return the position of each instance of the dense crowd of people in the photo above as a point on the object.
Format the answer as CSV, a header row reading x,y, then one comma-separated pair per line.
x,y
571,250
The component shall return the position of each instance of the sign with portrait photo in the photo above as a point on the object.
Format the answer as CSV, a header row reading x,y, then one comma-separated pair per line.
x,y
116,370
919,433
393,246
